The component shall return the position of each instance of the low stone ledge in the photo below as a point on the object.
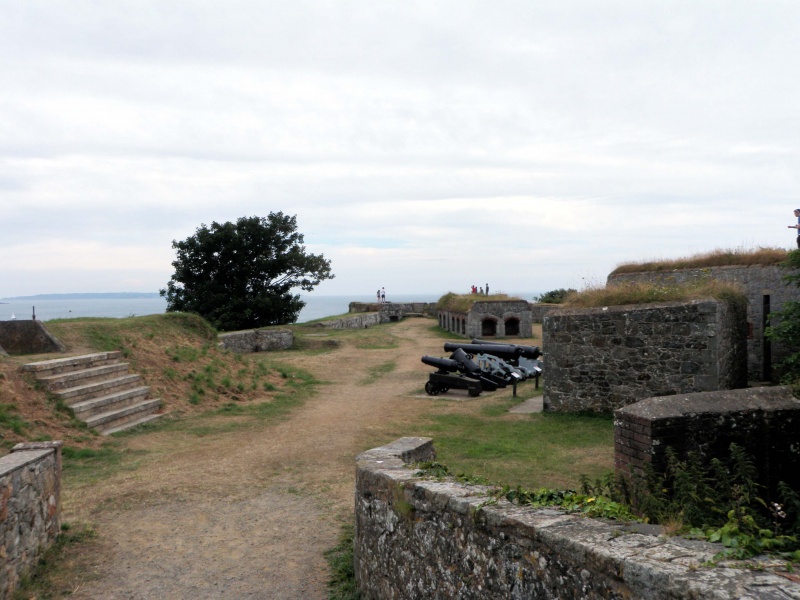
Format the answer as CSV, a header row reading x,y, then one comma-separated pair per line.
x,y
256,340
420,538
30,508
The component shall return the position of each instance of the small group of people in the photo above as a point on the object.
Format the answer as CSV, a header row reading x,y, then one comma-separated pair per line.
x,y
382,295
482,292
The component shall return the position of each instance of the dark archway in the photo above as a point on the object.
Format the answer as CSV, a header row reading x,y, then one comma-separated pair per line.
x,y
512,326
488,327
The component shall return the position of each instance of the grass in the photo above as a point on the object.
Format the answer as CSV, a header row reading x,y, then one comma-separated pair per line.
x,y
87,465
645,293
11,420
714,258
378,371
342,582
544,450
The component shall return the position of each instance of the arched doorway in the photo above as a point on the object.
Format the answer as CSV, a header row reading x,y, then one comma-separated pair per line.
x,y
488,327
512,326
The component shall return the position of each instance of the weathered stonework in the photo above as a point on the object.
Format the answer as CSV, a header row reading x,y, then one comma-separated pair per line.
x,y
539,310
764,421
417,538
489,318
359,321
27,337
256,340
600,359
30,508
766,292
401,308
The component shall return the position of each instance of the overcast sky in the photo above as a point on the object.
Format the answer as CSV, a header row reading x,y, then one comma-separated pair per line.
x,y
424,146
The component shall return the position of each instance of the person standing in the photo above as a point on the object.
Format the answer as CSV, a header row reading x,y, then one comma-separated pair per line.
x,y
383,294
379,295
487,289
797,227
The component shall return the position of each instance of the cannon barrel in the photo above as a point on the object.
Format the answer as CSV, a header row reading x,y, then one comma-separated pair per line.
x,y
532,352
501,350
443,364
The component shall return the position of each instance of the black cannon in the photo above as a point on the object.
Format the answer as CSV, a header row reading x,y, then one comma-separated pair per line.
x,y
531,352
447,376
469,377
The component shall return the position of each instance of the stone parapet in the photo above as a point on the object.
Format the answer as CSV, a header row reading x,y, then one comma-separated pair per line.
x,y
30,508
766,292
418,538
763,421
256,340
27,337
600,359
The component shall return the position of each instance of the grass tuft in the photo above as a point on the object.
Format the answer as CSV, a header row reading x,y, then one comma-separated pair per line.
x,y
714,258
646,293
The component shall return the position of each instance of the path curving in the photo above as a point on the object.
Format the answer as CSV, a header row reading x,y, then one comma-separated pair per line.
x,y
249,514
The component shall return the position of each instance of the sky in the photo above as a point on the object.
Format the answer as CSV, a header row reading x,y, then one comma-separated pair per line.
x,y
424,146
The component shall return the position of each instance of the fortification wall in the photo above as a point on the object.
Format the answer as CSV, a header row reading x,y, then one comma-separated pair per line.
x,y
600,359
256,340
359,321
30,508
764,421
766,292
490,318
417,538
27,337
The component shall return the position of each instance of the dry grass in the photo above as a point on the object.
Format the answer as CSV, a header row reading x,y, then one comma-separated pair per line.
x,y
714,258
646,293
463,302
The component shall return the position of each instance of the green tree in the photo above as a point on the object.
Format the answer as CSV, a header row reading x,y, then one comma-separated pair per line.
x,y
241,275
785,324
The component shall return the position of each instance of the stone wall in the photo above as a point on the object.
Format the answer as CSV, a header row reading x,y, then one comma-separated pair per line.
x,y
600,359
539,310
490,318
359,321
256,340
27,337
403,308
417,538
763,421
30,508
766,292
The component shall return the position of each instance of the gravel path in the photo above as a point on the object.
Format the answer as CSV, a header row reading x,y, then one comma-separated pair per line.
x,y
249,514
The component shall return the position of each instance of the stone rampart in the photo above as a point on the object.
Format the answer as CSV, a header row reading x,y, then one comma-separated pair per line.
x,y
256,340
766,293
539,310
764,421
30,508
27,337
358,321
600,359
418,538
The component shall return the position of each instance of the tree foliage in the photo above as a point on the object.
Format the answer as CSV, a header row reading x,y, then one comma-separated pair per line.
x,y
241,275
555,296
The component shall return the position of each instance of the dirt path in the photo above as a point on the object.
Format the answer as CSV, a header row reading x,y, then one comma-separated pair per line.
x,y
249,514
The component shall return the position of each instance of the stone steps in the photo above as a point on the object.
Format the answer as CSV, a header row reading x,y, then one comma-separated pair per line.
x,y
99,390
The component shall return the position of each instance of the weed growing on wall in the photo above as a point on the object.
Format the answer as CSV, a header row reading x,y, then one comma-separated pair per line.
x,y
716,500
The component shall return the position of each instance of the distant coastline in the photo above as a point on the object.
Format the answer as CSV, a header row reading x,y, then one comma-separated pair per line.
x,y
87,296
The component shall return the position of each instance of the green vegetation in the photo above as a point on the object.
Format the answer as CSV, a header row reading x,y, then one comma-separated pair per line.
x,y
87,465
544,450
646,293
11,420
241,275
555,296
464,302
342,583
715,258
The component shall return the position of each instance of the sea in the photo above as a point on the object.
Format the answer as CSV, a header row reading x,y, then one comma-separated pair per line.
x,y
69,306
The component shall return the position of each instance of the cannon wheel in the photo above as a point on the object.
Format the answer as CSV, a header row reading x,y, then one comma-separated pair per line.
x,y
432,389
474,393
